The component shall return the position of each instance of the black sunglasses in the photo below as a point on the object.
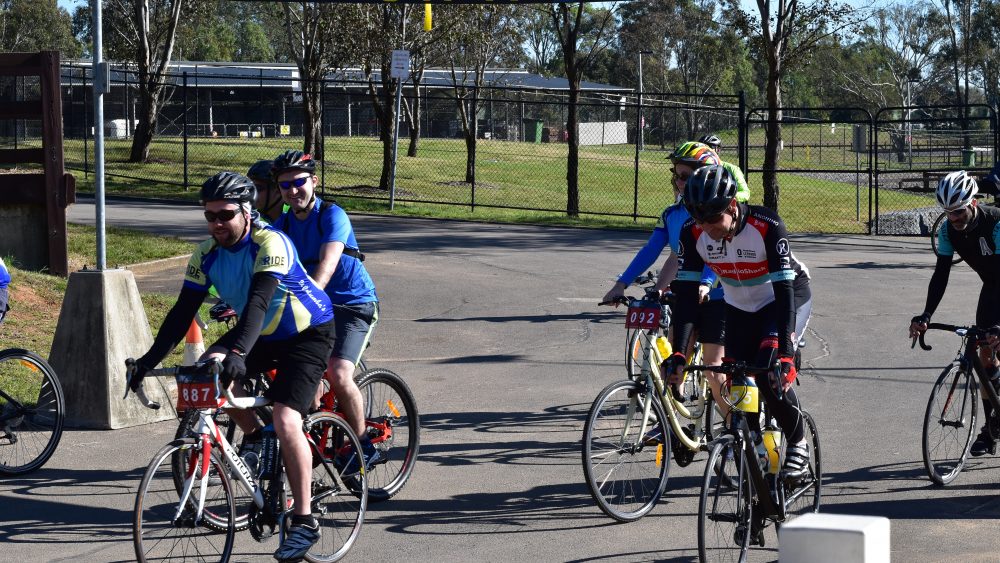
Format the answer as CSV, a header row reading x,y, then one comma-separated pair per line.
x,y
298,183
224,215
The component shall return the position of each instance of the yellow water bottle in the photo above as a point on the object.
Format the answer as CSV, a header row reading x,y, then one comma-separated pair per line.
x,y
772,441
663,345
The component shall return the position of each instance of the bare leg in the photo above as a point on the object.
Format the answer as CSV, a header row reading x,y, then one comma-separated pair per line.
x,y
295,453
341,376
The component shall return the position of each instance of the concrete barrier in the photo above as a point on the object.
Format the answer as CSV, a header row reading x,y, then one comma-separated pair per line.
x,y
103,322
834,538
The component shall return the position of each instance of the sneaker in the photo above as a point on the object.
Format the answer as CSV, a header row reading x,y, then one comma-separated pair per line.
x,y
984,444
297,543
348,462
796,460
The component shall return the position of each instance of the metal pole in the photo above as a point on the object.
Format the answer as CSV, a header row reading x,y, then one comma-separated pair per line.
x,y
641,120
399,102
184,132
100,86
909,126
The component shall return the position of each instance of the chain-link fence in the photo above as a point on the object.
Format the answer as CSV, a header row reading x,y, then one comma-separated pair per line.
x,y
214,120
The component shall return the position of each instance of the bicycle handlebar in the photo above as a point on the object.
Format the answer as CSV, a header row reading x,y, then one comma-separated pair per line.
x,y
211,367
973,331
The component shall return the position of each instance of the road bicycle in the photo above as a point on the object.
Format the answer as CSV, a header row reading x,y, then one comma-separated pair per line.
x,y
32,411
392,419
952,409
193,513
744,489
632,423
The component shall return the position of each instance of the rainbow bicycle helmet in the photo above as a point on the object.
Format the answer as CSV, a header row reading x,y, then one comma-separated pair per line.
x,y
956,190
709,191
293,160
695,155
712,141
229,186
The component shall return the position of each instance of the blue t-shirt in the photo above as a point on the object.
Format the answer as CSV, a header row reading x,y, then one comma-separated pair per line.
x,y
4,275
350,283
667,231
297,304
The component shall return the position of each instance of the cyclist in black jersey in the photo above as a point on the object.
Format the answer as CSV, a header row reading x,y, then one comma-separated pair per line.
x,y
973,231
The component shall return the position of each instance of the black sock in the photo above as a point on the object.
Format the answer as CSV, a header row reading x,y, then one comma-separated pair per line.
x,y
307,521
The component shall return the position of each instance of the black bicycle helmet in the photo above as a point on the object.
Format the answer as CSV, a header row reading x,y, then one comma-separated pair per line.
x,y
712,141
293,160
261,171
709,191
228,186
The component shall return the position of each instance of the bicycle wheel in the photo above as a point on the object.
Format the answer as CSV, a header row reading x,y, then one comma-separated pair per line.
x,y
179,460
626,470
339,502
949,423
394,428
32,411
934,238
724,509
803,495
164,530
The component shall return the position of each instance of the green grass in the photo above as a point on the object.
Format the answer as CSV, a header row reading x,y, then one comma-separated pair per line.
x,y
123,246
524,175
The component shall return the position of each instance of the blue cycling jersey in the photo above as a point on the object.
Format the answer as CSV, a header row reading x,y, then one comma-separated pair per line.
x,y
4,275
667,231
350,283
297,303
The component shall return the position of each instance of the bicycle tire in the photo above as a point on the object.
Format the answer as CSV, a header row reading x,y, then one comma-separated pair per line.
x,y
934,231
157,536
389,402
805,495
633,355
945,456
616,457
33,404
340,512
725,506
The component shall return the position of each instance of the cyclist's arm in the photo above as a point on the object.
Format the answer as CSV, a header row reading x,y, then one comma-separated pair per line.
x,y
937,285
690,267
667,273
781,272
337,229
243,336
175,325
645,257
329,258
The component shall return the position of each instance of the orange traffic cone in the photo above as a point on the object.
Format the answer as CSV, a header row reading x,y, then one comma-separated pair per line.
x,y
194,347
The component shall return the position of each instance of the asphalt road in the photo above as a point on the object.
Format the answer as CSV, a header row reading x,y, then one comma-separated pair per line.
x,y
497,331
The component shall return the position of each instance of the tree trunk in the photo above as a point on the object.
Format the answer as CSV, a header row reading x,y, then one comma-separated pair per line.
x,y
312,128
387,128
146,127
772,144
471,134
413,111
573,140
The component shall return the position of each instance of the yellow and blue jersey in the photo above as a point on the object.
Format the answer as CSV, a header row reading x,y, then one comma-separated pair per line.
x,y
297,303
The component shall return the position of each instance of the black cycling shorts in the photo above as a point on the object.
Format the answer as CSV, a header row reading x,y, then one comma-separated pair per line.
x,y
300,361
711,322
988,309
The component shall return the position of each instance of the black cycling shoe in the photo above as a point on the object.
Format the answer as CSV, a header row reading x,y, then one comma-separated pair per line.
x,y
984,444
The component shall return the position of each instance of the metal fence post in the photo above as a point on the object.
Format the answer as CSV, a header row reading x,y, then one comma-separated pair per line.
x,y
475,140
260,106
86,125
635,172
743,135
184,133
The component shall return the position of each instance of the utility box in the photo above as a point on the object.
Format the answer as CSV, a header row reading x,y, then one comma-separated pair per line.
x,y
968,158
859,139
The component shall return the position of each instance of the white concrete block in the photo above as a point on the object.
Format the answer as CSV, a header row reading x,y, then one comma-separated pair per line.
x,y
834,538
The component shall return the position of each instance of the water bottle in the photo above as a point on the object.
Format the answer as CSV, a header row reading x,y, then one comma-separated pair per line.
x,y
663,345
762,456
772,442
270,460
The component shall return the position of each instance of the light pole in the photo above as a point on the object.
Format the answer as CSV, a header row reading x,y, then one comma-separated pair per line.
x,y
642,120
909,124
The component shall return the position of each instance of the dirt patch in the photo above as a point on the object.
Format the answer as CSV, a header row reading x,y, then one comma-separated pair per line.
x,y
468,186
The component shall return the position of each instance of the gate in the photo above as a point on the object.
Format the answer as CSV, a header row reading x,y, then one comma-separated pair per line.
x,y
824,168
913,148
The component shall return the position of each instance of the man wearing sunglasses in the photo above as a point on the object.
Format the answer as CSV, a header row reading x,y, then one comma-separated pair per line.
x,y
972,231
323,235
766,291
284,320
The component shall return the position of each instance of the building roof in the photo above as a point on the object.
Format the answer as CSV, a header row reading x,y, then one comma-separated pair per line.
x,y
283,76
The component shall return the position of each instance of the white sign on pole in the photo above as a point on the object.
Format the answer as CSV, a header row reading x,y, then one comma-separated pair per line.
x,y
400,64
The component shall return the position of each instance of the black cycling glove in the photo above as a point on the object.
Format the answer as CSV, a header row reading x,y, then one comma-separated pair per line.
x,y
233,367
142,367
922,318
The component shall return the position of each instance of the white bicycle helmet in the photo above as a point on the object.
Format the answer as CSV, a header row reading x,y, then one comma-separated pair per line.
x,y
956,190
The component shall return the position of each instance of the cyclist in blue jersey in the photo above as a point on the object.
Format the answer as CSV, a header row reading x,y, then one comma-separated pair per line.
x,y
4,282
687,158
324,238
285,320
